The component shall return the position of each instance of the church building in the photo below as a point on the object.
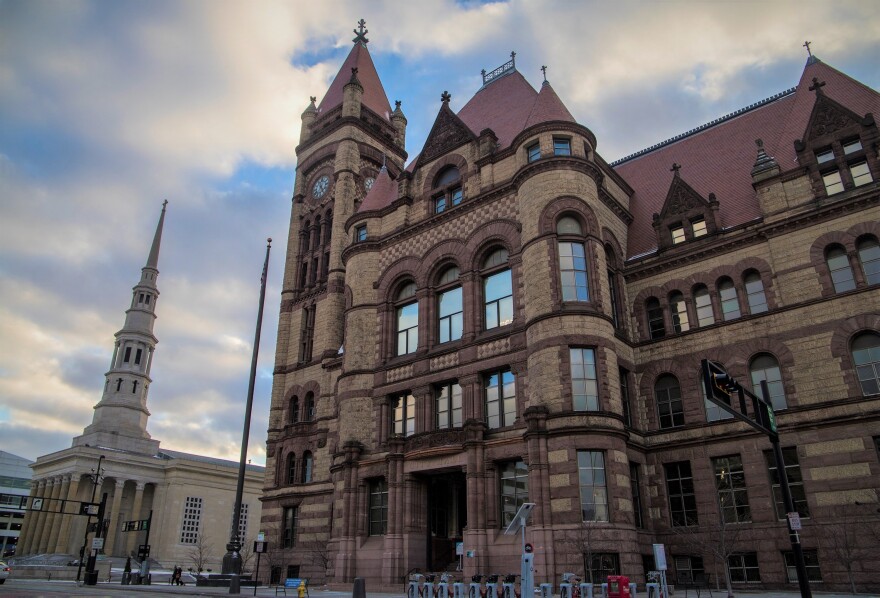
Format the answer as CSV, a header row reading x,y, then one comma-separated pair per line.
x,y
189,499
503,317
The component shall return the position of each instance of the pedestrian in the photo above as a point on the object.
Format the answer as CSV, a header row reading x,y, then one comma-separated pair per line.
x,y
173,576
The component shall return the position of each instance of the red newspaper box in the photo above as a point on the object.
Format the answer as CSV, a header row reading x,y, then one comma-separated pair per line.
x,y
618,586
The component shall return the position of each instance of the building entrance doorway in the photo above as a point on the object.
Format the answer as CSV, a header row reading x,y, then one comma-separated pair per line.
x,y
447,518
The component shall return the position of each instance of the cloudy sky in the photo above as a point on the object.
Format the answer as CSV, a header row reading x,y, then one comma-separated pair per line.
x,y
107,108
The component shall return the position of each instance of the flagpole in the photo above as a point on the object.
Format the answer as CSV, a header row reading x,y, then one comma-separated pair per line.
x,y
232,559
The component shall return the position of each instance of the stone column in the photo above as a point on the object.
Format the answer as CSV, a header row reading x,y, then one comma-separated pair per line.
x,y
58,517
131,543
110,540
46,525
37,519
26,526
63,544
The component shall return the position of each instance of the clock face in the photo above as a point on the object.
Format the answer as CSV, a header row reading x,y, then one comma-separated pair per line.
x,y
321,186
368,183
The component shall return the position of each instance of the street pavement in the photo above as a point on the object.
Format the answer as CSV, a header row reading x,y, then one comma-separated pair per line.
x,y
57,589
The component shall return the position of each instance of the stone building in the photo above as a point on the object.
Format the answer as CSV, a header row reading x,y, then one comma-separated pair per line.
x,y
507,317
190,497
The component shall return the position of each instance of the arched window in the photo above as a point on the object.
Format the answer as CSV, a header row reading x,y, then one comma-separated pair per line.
x,y
678,307
310,407
841,272
755,293
866,356
307,467
407,319
655,318
294,410
703,304
497,290
290,468
670,409
450,306
765,367
572,261
729,299
449,189
869,257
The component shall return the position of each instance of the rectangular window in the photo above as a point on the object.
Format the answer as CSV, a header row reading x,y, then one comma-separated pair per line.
x,y
594,490
534,152
584,385
500,399
288,536
795,482
811,560
403,410
825,155
670,408
744,568
242,522
677,234
624,396
137,356
689,569
439,204
407,329
127,357
860,174
360,233
698,225
514,489
378,507
615,304
703,303
451,308
730,481
833,182
192,516
307,327
680,488
851,147
455,196
573,272
448,404
561,147
636,494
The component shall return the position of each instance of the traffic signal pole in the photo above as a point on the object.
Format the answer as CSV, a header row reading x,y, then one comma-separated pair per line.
x,y
793,536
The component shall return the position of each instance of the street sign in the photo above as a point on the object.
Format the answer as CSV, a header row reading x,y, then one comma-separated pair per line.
x,y
660,557
88,508
261,537
97,543
794,521
139,525
143,551
37,505
261,547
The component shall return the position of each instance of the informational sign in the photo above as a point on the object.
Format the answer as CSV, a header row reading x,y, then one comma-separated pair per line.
x,y
471,554
87,508
528,548
260,547
459,548
660,557
794,521
37,505
136,526
97,543
143,551
261,537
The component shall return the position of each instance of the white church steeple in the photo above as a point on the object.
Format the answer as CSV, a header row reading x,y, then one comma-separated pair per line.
x,y
120,419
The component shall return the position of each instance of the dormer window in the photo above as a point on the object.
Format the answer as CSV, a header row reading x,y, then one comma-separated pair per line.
x,y
698,225
448,189
860,173
851,147
561,146
833,182
533,152
677,234
825,155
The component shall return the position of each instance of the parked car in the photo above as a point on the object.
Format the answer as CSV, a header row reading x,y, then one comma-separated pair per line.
x,y
4,571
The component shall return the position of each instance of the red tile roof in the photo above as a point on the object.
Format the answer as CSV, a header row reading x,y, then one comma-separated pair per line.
x,y
719,158
548,107
381,194
374,94
503,105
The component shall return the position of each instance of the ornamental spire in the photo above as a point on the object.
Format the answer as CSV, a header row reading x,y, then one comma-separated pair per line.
x,y
360,34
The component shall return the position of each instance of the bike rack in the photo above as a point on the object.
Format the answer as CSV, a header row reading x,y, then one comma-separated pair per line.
x,y
546,590
586,590
491,589
458,590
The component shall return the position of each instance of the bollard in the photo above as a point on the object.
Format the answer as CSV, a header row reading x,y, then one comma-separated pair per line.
x,y
586,590
546,590
234,584
565,590
360,588
633,591
652,590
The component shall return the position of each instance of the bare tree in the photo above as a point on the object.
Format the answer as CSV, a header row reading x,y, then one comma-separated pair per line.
x,y
721,540
318,554
853,538
583,539
199,554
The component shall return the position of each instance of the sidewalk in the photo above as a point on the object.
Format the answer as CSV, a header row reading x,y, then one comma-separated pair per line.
x,y
32,587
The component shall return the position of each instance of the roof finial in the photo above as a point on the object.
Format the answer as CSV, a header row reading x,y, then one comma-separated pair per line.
x,y
544,70
164,203
817,86
397,104
445,97
383,161
807,46
675,168
313,99
513,58
361,33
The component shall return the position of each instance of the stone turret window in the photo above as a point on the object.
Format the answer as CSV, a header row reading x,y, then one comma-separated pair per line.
x,y
310,407
137,356
584,381
561,146
698,226
127,357
670,408
533,152
293,416
360,233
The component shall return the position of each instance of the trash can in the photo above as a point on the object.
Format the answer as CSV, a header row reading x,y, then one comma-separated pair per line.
x,y
91,578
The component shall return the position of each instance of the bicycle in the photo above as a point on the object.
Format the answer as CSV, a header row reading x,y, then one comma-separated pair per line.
x,y
416,588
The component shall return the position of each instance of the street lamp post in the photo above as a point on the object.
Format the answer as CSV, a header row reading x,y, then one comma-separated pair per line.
x,y
96,477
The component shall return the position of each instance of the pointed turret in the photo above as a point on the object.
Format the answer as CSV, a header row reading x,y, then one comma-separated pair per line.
x,y
548,107
120,419
399,121
308,117
373,94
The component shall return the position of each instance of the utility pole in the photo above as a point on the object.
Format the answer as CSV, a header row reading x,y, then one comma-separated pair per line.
x,y
96,476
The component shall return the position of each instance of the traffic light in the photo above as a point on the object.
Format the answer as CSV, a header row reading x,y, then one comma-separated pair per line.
x,y
719,384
